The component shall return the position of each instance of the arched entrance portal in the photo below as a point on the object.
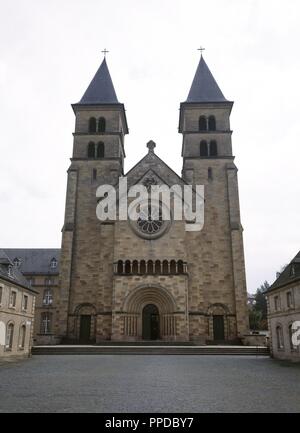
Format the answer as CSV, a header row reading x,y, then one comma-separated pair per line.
x,y
150,322
149,313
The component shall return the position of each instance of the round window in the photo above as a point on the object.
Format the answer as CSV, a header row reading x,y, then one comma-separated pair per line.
x,y
152,222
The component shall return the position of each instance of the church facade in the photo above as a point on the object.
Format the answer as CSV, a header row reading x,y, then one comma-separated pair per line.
x,y
125,281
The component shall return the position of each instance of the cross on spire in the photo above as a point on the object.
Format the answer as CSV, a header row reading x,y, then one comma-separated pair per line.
x,y
201,49
105,52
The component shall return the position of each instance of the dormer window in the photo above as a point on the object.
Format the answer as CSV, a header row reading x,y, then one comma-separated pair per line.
x,y
17,262
293,271
9,271
53,263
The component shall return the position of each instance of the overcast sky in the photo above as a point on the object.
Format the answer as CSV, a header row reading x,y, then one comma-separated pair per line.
x,y
50,50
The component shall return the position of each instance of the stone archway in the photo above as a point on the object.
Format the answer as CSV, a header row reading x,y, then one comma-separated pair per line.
x,y
85,323
218,327
150,323
160,300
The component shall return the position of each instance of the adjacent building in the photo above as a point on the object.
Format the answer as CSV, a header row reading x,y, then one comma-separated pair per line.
x,y
17,307
283,310
40,269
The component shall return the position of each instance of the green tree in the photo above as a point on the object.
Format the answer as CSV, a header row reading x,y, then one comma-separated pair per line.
x,y
258,308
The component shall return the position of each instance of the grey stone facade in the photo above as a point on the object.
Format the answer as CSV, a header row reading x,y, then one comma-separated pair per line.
x,y
109,274
283,300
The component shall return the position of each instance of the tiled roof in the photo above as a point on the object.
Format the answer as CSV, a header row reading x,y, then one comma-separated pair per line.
x,y
290,274
204,87
101,89
35,260
11,272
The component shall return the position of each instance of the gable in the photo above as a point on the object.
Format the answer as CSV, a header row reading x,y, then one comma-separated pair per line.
x,y
152,165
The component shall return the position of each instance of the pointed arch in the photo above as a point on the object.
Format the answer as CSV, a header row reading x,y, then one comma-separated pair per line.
x,y
203,148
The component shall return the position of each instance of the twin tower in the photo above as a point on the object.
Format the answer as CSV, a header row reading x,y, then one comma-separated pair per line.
x,y
129,282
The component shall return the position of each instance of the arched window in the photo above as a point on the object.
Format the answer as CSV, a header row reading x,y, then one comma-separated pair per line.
x,y
212,123
46,323
213,149
202,123
165,267
150,267
173,267
292,347
101,124
48,297
22,336
279,336
92,124
127,267
180,266
142,267
91,150
157,267
209,173
100,150
203,148
120,267
135,267
9,336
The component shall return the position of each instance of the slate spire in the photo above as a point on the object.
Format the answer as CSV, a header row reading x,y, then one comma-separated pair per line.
x,y
204,87
101,89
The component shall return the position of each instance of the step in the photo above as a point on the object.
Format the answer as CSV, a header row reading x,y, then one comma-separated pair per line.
x,y
149,350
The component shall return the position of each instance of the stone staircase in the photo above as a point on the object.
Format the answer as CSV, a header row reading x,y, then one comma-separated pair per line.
x,y
154,349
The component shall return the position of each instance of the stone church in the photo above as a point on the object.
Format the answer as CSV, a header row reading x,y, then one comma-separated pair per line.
x,y
130,282
144,280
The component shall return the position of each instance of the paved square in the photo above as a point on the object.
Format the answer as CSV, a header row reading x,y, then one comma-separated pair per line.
x,y
128,383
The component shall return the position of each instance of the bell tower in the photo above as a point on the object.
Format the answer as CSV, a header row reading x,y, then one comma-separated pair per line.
x,y
98,158
205,122
208,160
100,125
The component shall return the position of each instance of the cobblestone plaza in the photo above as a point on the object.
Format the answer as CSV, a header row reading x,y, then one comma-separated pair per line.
x,y
114,383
